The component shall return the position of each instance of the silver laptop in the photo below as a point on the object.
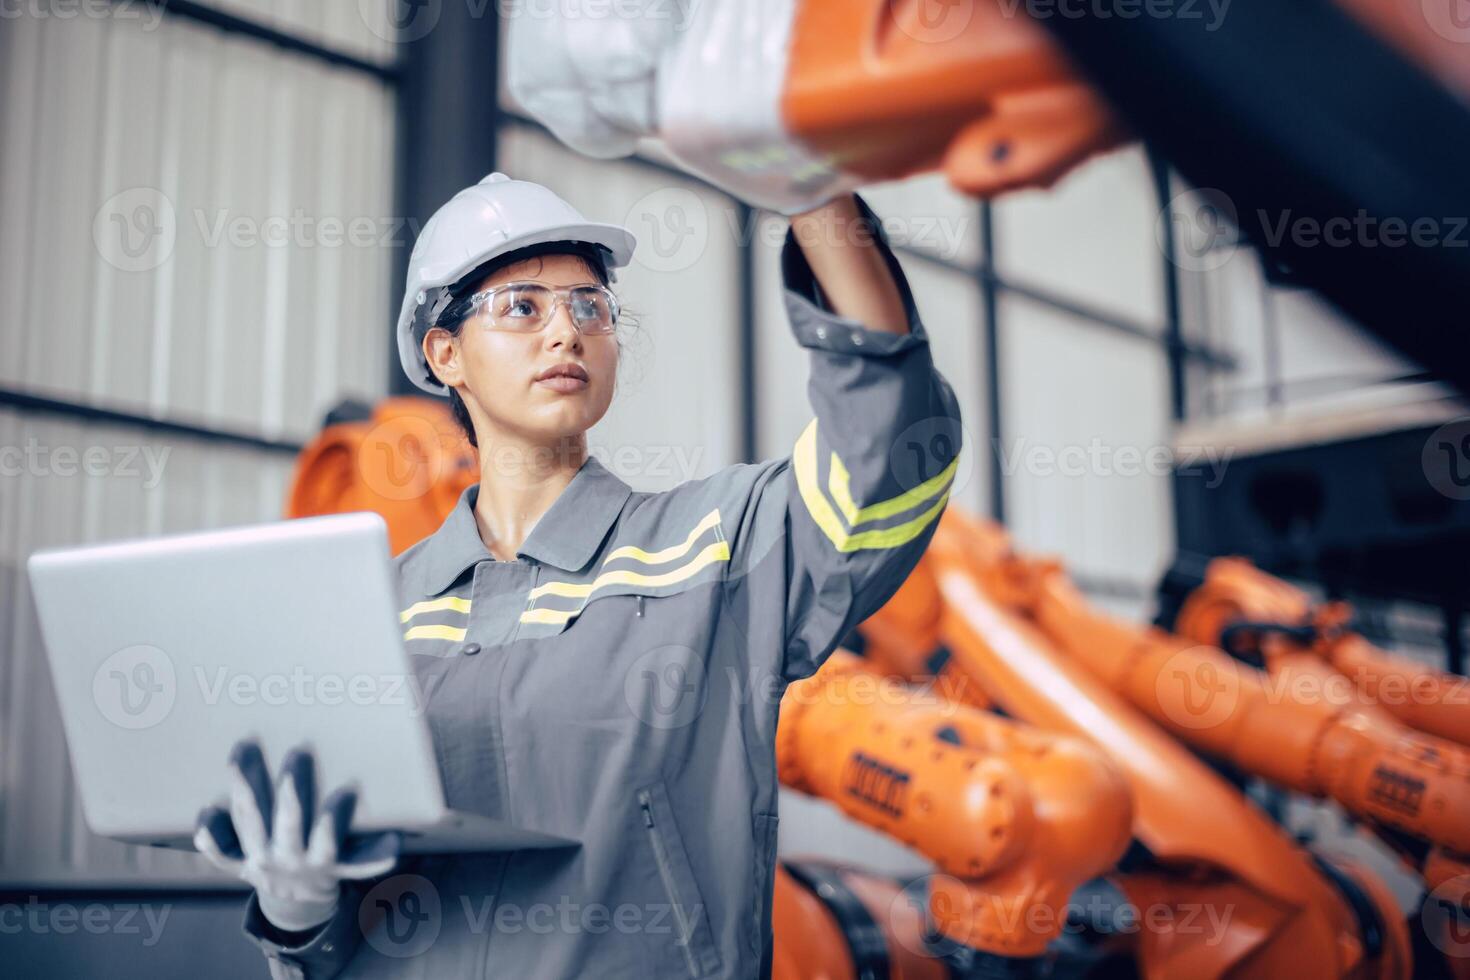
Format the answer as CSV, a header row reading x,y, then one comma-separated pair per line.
x,y
167,651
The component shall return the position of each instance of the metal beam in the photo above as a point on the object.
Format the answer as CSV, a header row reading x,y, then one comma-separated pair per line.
x,y
234,24
27,401
448,130
1042,296
991,326
1173,321
1202,353
745,277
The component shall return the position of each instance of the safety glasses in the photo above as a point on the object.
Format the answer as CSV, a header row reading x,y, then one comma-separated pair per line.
x,y
527,307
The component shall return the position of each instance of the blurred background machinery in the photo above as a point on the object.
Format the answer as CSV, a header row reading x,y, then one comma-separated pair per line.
x,y
205,209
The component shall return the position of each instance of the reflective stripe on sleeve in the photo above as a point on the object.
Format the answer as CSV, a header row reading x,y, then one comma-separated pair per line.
x,y
825,515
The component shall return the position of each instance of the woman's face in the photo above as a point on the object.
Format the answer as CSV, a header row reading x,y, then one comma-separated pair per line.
x,y
500,375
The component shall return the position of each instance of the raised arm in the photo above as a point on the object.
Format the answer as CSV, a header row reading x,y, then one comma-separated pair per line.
x,y
857,501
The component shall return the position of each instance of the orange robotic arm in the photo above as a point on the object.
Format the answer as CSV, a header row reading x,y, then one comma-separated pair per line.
x,y
1210,848
1282,727
1016,819
1235,592
902,640
1433,701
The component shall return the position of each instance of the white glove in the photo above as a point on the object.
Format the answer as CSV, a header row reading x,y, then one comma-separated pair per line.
x,y
705,79
590,79
269,839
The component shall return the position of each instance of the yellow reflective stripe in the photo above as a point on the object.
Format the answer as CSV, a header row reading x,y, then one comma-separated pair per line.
x,y
552,616
708,555
435,633
899,534
571,590
712,519
837,483
575,590
716,551
804,459
434,605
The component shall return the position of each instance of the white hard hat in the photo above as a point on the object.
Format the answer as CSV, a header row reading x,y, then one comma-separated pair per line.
x,y
496,216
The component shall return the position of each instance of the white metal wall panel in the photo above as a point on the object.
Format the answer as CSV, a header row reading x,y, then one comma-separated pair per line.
x,y
37,776
20,108
368,311
361,28
278,271
235,320
15,659
1090,239
199,129
1072,394
9,578
179,382
124,303
151,484
59,264
676,414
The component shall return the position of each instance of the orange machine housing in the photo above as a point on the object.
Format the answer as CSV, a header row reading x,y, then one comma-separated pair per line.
x,y
1015,819
409,462
888,88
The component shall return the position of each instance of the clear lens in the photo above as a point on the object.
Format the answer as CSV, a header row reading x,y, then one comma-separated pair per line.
x,y
521,307
527,307
593,309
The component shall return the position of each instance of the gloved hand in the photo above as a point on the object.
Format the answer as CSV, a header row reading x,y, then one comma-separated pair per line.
x,y
705,79
294,858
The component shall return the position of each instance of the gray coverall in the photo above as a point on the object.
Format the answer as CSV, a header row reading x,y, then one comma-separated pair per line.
x,y
618,683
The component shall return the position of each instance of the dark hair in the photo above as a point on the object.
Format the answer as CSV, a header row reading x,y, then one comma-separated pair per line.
x,y
458,310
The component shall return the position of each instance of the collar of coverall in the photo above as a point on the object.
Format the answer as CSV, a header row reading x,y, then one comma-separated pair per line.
x,y
567,535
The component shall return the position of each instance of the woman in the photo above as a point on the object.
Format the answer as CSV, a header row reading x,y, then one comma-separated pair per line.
x,y
606,664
